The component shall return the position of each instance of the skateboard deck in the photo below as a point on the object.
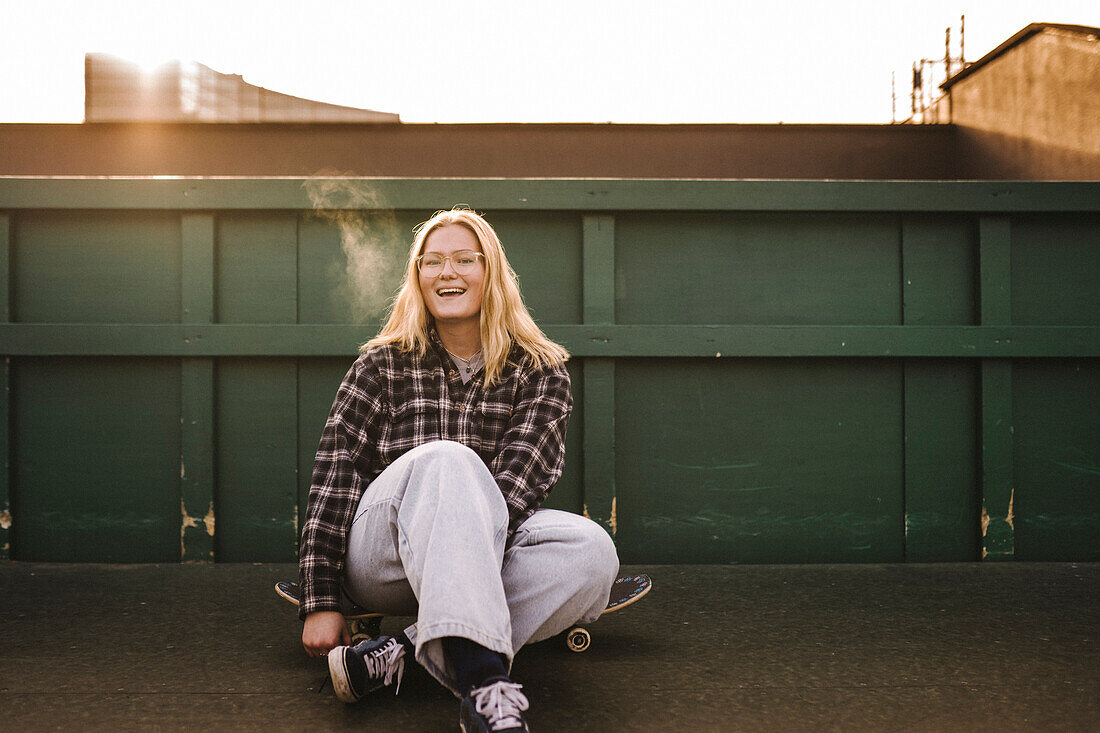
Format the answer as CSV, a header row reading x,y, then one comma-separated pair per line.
x,y
368,624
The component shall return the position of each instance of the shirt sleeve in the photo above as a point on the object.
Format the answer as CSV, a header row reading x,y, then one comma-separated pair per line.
x,y
337,485
533,455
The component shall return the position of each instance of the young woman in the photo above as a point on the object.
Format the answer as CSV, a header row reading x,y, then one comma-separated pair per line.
x,y
444,439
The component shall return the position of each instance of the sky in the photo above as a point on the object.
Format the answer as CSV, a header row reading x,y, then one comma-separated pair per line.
x,y
629,61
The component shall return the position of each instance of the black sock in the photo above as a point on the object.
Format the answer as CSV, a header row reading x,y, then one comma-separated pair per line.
x,y
410,648
473,663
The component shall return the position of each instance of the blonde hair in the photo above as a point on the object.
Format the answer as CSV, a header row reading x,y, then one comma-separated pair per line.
x,y
504,318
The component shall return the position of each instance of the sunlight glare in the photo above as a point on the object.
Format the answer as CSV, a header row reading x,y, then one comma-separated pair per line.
x,y
148,61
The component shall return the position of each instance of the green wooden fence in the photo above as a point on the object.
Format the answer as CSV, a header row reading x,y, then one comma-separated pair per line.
x,y
764,371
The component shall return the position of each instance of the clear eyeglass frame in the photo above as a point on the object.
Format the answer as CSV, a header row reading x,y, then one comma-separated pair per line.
x,y
464,262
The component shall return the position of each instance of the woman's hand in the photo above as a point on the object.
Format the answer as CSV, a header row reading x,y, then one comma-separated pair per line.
x,y
323,631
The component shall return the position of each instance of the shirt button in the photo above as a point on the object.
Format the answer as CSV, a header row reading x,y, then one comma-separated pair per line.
x,y
462,408
452,372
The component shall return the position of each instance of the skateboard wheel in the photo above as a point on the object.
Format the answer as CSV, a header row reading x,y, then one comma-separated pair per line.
x,y
578,639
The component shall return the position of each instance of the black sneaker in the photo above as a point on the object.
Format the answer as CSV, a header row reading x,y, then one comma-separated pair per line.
x,y
496,706
365,667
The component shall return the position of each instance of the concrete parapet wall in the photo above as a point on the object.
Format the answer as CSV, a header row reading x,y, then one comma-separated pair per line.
x,y
872,152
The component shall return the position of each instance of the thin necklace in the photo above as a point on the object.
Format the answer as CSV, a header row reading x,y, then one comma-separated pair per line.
x,y
464,361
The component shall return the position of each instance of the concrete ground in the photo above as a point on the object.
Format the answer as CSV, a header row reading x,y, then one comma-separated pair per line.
x,y
1007,646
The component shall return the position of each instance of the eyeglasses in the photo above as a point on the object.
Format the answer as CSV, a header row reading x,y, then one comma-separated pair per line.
x,y
464,262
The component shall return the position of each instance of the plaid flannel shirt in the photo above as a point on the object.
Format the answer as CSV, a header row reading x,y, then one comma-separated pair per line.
x,y
391,402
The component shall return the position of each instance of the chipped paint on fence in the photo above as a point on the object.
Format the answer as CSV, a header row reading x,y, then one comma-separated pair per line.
x,y
1010,517
189,522
612,523
208,520
5,524
999,533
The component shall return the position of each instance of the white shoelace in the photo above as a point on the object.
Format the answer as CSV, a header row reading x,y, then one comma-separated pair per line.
x,y
502,703
386,662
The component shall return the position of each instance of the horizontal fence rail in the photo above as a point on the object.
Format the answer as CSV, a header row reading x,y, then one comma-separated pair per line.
x,y
131,339
763,371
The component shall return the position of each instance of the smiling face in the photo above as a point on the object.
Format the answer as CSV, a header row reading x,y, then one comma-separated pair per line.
x,y
454,299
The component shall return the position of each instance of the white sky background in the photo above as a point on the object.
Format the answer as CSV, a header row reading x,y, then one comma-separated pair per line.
x,y
674,61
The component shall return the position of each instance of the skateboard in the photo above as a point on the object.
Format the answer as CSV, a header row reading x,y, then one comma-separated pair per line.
x,y
365,624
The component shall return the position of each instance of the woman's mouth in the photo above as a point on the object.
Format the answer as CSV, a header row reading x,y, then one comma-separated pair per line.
x,y
450,292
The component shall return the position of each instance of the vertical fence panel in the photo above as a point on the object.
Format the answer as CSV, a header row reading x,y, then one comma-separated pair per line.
x,y
318,380
939,259
96,474
197,519
97,466
5,392
998,489
256,281
749,460
568,494
599,375
547,251
197,410
1056,402
257,468
941,479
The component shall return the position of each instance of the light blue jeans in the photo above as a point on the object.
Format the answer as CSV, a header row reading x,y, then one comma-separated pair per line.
x,y
428,540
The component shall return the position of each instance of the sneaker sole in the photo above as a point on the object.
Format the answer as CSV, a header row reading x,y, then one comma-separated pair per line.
x,y
339,675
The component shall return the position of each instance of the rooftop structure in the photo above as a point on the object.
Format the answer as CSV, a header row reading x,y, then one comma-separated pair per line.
x,y
186,91
1029,108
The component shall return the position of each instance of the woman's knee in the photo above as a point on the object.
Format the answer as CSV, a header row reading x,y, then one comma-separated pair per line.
x,y
591,553
456,476
602,558
449,458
